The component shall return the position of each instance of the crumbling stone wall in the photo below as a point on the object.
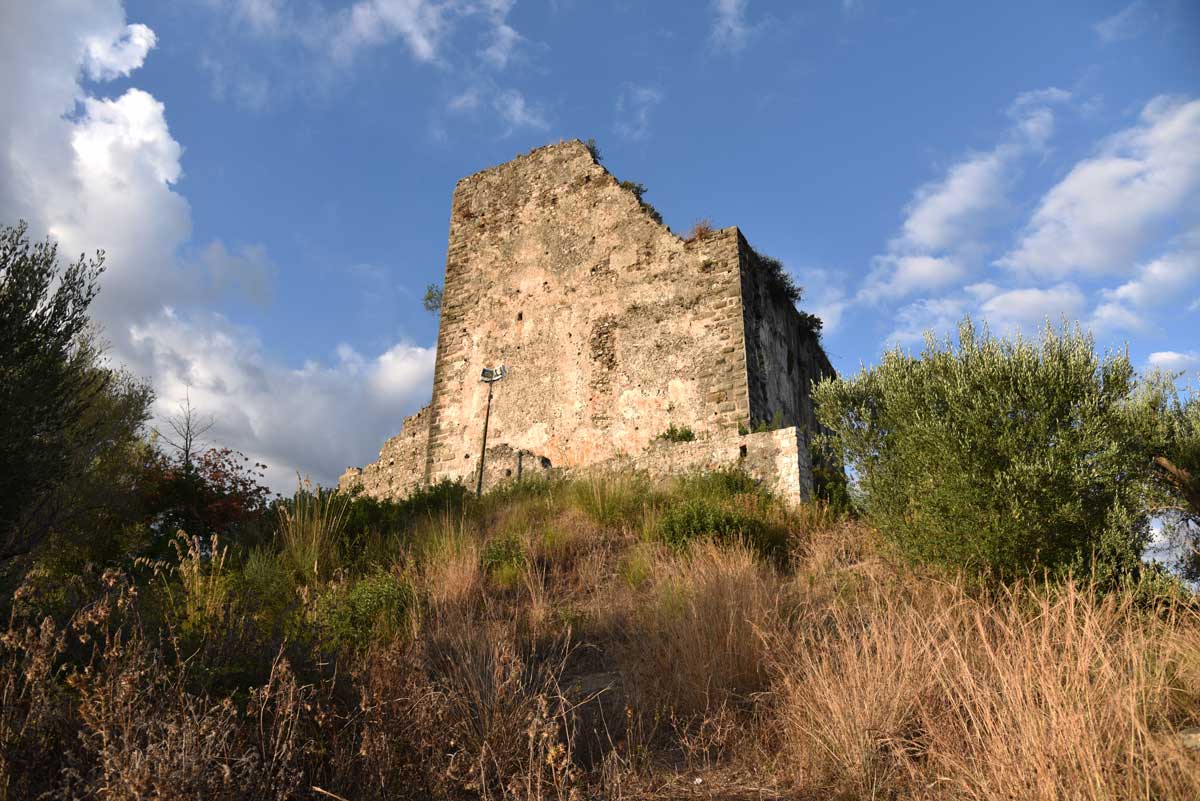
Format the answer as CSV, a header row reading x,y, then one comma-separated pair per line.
x,y
783,355
612,329
401,465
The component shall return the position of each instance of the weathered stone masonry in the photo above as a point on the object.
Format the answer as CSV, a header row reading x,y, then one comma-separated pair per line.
x,y
612,329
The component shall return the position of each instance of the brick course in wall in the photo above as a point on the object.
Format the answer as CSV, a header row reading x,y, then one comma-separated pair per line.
x,y
612,329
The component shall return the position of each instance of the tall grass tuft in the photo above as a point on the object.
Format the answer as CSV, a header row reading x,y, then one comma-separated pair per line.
x,y
1038,693
695,644
310,526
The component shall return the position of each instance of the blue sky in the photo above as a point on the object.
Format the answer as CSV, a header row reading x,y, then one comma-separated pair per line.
x,y
271,178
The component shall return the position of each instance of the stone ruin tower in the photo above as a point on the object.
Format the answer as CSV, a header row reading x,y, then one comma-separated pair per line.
x,y
612,329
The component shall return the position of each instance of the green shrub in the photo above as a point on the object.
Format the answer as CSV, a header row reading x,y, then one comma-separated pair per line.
x,y
1001,456
701,518
611,500
639,190
719,484
370,525
373,608
264,585
504,560
680,434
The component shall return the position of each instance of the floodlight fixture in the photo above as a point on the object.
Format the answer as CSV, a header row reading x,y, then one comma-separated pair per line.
x,y
489,376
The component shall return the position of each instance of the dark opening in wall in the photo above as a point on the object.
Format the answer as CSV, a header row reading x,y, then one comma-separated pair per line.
x,y
742,451
520,316
508,472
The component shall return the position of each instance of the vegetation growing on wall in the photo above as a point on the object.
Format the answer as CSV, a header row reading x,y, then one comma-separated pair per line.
x,y
784,289
639,190
677,434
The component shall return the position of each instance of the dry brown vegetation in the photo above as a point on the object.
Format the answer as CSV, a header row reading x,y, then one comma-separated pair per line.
x,y
557,650
700,229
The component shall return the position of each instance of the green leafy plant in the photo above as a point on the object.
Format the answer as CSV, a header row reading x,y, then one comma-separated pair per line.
x,y
433,299
310,527
594,149
504,559
1001,456
638,191
701,518
677,434
372,608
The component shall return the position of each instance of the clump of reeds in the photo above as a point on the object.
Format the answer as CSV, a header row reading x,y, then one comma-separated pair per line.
x,y
310,526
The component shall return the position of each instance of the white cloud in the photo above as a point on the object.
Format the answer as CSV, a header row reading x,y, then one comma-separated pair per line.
x,y
1007,312
467,100
1125,24
941,213
265,16
935,316
730,31
634,105
1174,361
517,112
1159,283
1109,206
312,420
418,23
504,39
1027,310
945,220
895,276
100,172
109,58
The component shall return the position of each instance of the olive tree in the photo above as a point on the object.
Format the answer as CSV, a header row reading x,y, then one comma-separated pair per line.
x,y
46,378
1003,456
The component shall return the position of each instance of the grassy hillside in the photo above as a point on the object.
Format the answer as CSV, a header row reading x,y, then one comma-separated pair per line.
x,y
602,639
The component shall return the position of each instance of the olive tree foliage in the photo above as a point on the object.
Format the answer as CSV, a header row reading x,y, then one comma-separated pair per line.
x,y
60,408
1004,456
1177,464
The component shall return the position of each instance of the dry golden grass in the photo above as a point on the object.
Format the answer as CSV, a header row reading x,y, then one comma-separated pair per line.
x,y
694,641
700,228
1033,694
613,666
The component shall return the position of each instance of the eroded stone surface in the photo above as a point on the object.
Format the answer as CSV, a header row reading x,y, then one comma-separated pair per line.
x,y
612,329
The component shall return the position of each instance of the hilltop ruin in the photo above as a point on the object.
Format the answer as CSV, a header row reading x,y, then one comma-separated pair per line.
x,y
613,329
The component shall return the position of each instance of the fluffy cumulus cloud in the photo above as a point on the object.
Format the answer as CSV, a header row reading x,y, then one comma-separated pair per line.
x,y
1158,285
97,171
112,58
1174,361
944,223
1026,310
1130,209
927,315
310,419
1139,184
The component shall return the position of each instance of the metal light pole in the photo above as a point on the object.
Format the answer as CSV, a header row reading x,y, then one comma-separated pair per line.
x,y
489,376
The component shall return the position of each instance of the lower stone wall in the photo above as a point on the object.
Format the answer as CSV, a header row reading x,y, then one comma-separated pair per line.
x,y
401,465
779,459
